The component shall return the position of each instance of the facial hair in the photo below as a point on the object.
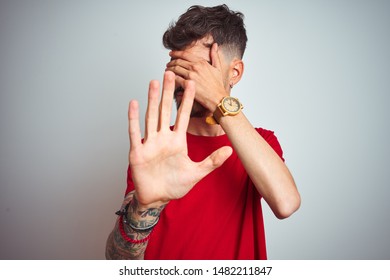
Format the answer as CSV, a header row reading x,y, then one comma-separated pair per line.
x,y
197,111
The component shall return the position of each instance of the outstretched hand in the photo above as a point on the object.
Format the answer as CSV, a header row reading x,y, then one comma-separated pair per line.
x,y
160,166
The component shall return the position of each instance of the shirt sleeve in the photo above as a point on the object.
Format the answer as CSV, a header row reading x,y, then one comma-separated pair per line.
x,y
272,140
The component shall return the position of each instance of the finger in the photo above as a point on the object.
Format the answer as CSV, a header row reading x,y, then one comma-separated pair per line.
x,y
214,54
183,114
185,59
215,160
151,116
179,81
187,56
167,100
134,127
179,62
179,70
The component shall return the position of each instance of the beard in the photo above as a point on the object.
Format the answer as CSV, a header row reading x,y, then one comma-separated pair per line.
x,y
197,111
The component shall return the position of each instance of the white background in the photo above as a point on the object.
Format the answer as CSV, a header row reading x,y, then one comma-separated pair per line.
x,y
317,73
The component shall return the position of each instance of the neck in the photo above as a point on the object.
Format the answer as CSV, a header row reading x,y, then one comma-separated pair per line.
x,y
199,127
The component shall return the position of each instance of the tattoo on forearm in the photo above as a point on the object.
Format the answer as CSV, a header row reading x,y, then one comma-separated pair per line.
x,y
117,247
143,218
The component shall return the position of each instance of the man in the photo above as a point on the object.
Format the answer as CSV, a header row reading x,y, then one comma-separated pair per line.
x,y
194,189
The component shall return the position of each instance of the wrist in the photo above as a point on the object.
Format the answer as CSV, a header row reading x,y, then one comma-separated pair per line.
x,y
213,101
143,205
143,215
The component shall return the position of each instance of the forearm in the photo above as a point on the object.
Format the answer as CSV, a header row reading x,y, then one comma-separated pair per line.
x,y
142,221
268,172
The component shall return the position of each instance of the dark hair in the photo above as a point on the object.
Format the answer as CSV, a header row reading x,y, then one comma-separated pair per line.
x,y
225,26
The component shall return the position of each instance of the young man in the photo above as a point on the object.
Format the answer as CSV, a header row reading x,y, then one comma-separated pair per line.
x,y
194,189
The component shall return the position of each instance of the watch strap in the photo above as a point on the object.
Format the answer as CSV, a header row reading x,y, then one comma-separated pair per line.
x,y
211,120
216,117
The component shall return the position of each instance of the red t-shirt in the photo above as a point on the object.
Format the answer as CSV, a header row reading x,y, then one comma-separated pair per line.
x,y
220,218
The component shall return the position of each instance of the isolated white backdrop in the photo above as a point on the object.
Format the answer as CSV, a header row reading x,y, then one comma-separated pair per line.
x,y
316,73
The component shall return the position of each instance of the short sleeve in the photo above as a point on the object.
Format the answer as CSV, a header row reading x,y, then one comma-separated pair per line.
x,y
272,140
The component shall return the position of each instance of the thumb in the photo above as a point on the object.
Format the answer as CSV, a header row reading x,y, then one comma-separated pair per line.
x,y
215,60
215,160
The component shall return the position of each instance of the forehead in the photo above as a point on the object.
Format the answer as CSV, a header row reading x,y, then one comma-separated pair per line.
x,y
201,47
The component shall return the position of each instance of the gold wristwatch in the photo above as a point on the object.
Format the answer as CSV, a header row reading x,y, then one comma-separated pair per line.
x,y
229,106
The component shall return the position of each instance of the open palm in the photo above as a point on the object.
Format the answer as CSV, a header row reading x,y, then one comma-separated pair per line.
x,y
160,166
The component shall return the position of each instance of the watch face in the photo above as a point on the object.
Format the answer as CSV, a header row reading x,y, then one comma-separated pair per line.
x,y
231,104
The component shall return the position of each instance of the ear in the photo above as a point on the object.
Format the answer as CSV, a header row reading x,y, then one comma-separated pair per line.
x,y
236,71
